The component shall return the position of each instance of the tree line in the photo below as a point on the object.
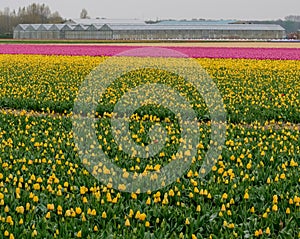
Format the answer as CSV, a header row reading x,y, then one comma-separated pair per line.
x,y
34,13
292,18
288,25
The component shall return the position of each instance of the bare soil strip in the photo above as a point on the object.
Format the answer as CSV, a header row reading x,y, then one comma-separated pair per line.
x,y
245,44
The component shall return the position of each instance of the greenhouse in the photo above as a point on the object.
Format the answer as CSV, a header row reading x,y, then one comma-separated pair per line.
x,y
142,31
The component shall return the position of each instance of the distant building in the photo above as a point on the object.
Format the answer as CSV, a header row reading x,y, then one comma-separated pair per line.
x,y
112,29
195,22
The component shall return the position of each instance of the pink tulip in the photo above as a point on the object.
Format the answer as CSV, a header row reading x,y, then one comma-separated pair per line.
x,y
194,52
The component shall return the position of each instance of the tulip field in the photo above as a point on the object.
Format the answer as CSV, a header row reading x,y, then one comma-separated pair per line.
x,y
253,190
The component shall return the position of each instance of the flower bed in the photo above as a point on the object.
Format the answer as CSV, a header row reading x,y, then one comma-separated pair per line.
x,y
195,52
46,190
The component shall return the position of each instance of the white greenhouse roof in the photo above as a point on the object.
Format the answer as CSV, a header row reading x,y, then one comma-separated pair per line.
x,y
261,27
195,22
44,27
128,27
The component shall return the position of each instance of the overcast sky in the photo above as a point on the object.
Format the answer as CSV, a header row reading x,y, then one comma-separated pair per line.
x,y
166,9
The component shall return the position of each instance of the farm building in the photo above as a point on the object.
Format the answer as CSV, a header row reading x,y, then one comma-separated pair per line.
x,y
104,29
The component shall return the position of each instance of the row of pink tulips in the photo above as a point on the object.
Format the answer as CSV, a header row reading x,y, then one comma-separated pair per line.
x,y
195,52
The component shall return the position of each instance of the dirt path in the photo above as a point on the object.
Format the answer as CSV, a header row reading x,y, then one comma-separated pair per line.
x,y
258,44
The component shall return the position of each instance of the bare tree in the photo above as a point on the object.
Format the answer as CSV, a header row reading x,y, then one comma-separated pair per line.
x,y
55,18
34,13
84,14
293,18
